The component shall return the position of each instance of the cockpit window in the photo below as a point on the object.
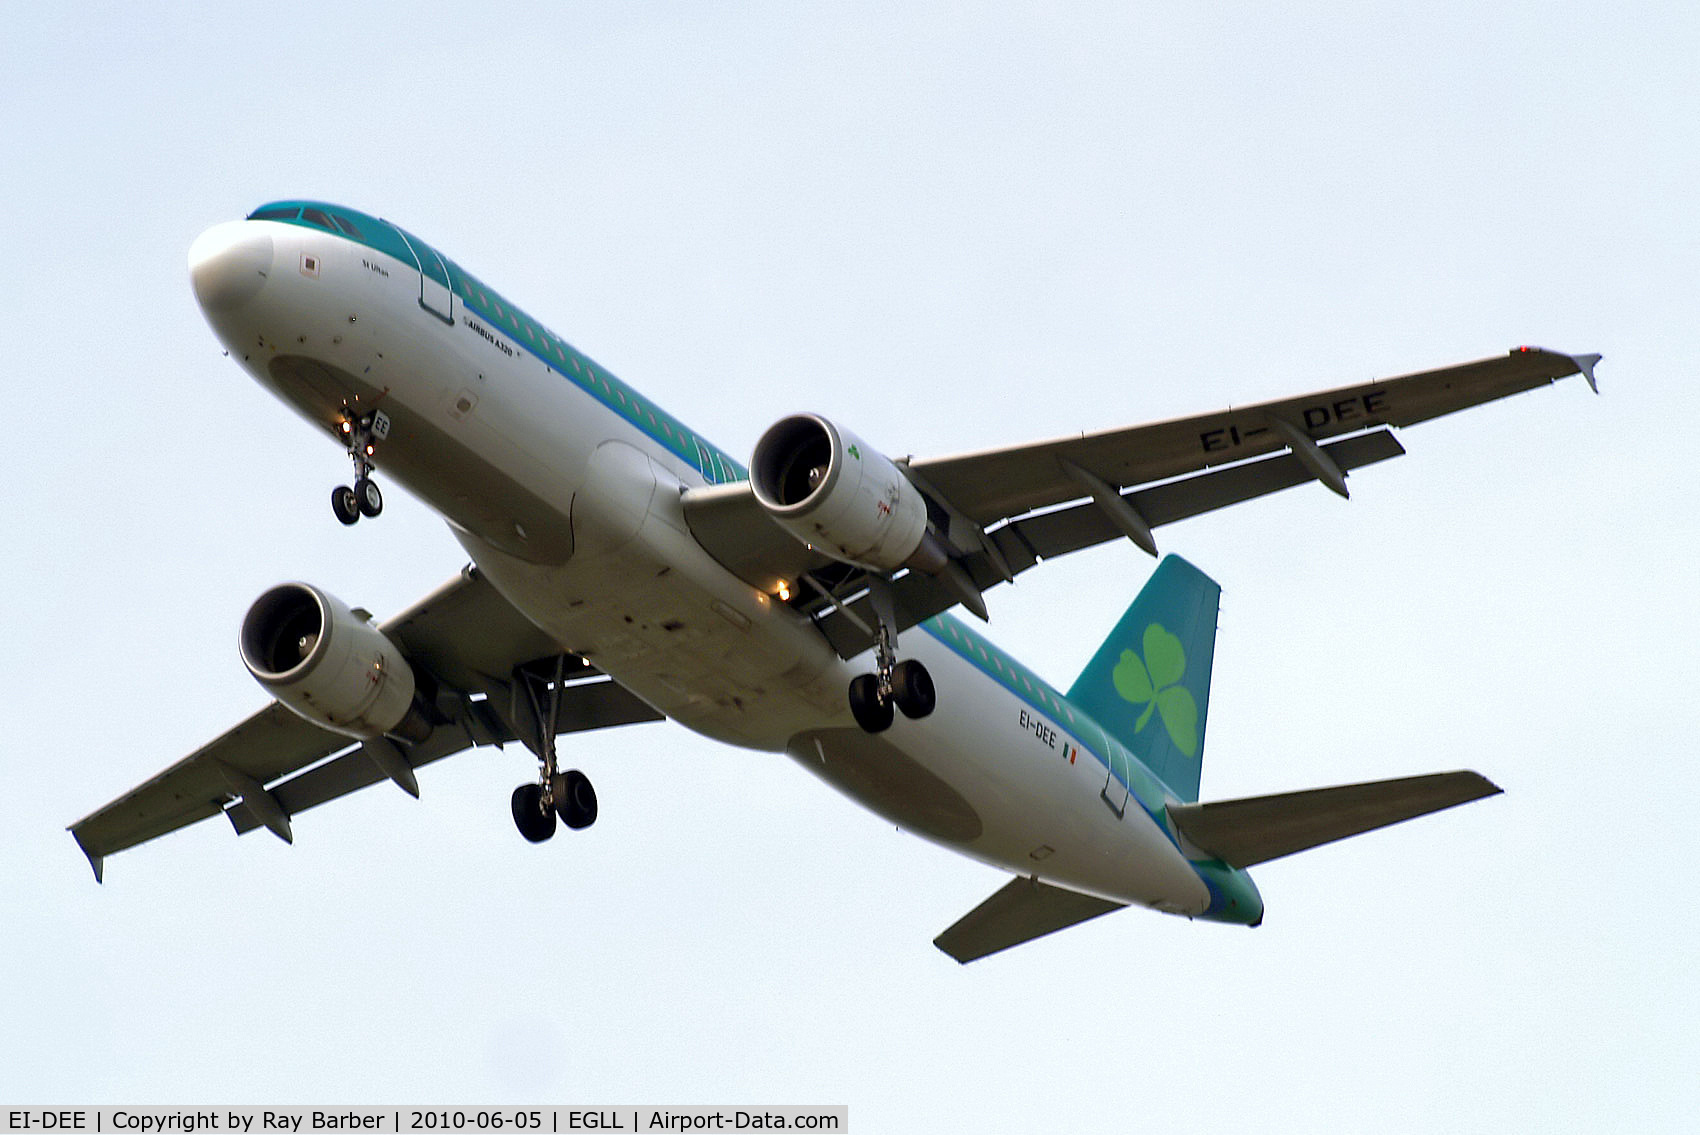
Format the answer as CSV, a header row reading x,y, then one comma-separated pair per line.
x,y
346,226
316,217
275,213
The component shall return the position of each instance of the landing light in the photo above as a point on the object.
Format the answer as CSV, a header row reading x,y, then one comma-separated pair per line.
x,y
783,591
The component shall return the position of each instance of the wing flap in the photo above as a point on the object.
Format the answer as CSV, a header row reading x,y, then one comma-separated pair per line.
x,y
992,484
347,773
1020,911
599,704
272,742
464,635
1174,469
1243,833
1024,542
1051,534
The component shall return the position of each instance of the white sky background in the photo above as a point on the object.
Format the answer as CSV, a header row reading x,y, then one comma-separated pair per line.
x,y
948,228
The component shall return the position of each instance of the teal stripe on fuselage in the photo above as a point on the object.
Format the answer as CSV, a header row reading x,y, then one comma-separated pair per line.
x,y
530,336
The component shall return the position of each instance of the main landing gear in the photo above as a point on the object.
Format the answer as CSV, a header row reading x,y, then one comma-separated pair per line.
x,y
360,434
568,795
902,685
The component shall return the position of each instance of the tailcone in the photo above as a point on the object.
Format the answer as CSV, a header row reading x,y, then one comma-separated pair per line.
x,y
1233,896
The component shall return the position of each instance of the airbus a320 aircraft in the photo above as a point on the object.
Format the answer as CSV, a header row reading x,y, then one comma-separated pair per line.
x,y
626,570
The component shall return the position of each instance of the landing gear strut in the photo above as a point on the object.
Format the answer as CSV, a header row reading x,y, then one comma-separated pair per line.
x,y
360,435
902,685
568,795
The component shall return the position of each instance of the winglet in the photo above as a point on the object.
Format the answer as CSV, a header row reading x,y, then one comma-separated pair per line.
x,y
1586,364
98,862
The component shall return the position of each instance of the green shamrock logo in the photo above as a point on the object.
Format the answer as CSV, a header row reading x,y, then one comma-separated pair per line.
x,y
1154,683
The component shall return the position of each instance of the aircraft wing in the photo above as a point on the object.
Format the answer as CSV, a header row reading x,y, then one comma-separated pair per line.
x,y
999,509
463,640
994,484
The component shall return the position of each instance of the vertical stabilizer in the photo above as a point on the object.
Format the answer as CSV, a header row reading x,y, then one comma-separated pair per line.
x,y
1149,683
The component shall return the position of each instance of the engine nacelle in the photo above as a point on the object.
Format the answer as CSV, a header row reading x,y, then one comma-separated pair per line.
x,y
831,490
331,666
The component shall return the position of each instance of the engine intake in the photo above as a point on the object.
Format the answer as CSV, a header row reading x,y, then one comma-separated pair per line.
x,y
834,492
333,667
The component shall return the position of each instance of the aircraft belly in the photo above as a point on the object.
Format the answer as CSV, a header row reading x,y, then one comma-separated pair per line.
x,y
973,778
650,608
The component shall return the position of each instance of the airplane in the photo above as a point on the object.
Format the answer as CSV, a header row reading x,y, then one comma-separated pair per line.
x,y
624,569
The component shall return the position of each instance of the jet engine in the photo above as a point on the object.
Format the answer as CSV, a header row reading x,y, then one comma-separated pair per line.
x,y
329,664
831,490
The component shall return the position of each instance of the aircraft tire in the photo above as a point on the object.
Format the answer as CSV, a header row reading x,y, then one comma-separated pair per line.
x,y
368,496
532,821
575,801
912,689
345,504
872,713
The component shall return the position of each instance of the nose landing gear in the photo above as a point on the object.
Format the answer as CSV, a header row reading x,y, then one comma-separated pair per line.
x,y
360,435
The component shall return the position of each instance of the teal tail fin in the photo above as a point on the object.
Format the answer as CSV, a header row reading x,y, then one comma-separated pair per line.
x,y
1149,683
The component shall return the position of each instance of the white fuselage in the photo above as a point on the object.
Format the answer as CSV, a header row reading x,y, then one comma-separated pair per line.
x,y
573,513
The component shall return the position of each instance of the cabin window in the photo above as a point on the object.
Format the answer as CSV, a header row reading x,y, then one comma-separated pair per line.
x,y
275,213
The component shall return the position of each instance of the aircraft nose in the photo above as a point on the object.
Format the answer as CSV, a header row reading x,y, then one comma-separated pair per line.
x,y
228,265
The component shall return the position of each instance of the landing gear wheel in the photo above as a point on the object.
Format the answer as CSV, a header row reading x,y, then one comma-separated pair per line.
x,y
360,434
575,800
345,504
534,822
872,712
368,496
912,689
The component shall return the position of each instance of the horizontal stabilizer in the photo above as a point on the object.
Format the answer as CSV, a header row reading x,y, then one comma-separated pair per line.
x,y
1242,833
1021,911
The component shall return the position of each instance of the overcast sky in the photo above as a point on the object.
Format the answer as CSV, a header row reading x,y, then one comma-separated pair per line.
x,y
949,227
